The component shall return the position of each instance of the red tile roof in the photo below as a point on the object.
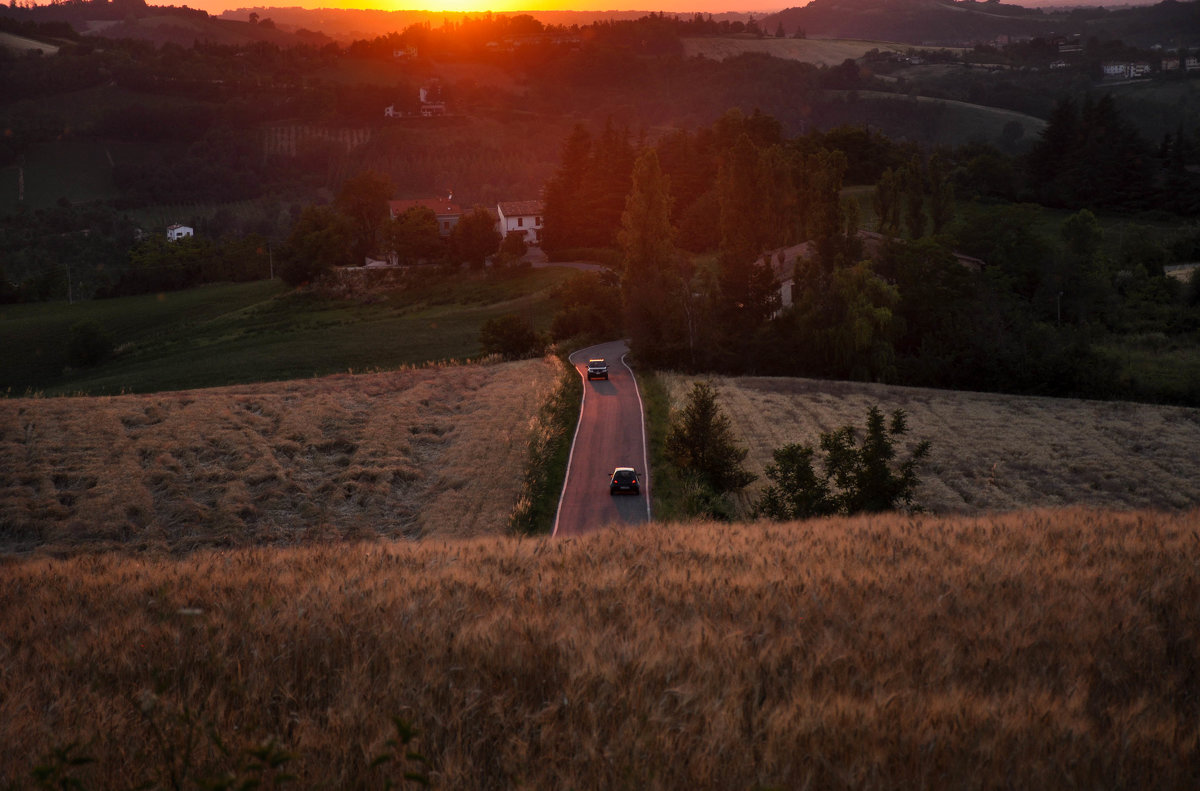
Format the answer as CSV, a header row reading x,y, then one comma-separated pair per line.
x,y
521,208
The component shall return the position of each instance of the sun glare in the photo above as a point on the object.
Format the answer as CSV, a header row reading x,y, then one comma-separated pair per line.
x,y
466,6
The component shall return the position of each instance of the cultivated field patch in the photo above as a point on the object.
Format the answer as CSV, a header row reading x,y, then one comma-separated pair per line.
x,y
991,452
22,45
416,452
818,51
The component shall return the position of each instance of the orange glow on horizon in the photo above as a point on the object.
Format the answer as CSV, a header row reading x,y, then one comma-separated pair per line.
x,y
680,7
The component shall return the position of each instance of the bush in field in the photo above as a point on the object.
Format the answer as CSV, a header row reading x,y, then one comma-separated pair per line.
x,y
320,240
855,480
591,307
701,445
511,336
89,344
475,237
514,246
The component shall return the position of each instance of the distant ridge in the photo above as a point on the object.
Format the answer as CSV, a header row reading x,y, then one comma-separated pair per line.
x,y
948,23
349,24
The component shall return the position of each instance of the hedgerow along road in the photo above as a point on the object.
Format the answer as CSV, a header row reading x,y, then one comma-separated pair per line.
x,y
611,433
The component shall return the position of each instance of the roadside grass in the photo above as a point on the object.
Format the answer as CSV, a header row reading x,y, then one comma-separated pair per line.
x,y
550,436
429,451
229,334
990,452
666,488
1039,649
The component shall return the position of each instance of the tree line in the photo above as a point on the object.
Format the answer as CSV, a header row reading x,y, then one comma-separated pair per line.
x,y
707,213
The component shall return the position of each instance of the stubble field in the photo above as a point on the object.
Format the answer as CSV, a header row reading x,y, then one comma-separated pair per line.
x,y
1040,649
416,452
990,452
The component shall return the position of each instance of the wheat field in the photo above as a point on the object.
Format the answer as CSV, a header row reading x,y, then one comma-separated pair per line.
x,y
1037,649
991,452
436,451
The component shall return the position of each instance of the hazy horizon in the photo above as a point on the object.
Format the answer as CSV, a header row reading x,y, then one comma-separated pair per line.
x,y
680,7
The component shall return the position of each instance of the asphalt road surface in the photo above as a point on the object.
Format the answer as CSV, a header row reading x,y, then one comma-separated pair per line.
x,y
611,433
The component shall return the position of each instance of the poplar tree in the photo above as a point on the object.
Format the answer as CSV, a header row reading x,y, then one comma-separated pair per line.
x,y
654,292
748,290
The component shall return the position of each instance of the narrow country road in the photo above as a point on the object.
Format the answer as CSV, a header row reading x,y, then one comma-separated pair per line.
x,y
610,434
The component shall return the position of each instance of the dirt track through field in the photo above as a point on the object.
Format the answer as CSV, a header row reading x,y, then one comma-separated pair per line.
x,y
991,452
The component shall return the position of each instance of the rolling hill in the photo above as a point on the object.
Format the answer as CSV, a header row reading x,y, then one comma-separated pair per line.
x,y
437,451
950,23
411,453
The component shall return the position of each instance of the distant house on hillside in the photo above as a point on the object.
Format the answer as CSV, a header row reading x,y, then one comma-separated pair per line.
x,y
783,261
431,99
523,216
430,103
1125,71
175,232
447,212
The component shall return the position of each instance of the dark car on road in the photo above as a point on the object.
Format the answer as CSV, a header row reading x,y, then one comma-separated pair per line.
x,y
597,368
624,479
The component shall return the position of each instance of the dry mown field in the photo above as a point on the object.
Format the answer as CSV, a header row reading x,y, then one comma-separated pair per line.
x,y
990,452
430,451
1040,649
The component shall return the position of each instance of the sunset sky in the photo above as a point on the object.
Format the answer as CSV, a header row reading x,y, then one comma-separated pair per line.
x,y
512,6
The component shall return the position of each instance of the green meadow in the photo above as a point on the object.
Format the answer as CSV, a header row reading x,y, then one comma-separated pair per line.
x,y
263,331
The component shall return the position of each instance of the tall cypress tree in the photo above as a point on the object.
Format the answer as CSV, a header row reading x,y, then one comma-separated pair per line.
x,y
563,212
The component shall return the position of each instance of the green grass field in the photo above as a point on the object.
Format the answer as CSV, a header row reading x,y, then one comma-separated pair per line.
x,y
956,123
230,334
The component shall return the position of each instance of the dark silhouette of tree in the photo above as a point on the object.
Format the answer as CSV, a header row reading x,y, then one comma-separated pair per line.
x,y
912,183
363,201
1090,157
514,246
887,201
941,194
748,290
413,236
320,240
475,237
855,479
654,291
605,186
511,336
701,443
564,215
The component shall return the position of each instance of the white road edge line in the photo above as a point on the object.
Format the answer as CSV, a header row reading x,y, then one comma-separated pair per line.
x,y
575,436
642,415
